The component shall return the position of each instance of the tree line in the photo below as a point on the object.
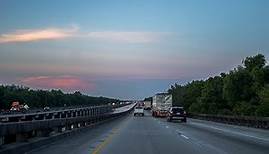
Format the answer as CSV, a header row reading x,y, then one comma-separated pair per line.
x,y
243,91
43,98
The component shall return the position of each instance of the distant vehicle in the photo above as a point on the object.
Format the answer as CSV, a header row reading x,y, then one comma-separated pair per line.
x,y
177,113
139,110
147,105
161,103
16,106
46,108
140,104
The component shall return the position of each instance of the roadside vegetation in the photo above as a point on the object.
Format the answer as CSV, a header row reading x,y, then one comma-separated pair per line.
x,y
243,91
43,98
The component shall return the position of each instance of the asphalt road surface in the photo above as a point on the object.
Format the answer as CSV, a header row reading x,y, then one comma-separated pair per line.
x,y
148,135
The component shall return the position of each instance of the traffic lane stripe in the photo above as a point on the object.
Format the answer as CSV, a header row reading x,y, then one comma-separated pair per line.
x,y
184,136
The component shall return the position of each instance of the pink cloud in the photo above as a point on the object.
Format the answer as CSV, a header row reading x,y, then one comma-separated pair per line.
x,y
68,83
36,35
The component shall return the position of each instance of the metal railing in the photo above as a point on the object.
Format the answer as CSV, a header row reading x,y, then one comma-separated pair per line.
x,y
256,122
21,127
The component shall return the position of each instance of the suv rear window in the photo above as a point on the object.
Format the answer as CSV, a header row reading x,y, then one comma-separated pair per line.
x,y
177,109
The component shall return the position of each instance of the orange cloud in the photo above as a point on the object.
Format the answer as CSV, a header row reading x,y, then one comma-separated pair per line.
x,y
68,83
36,35
28,35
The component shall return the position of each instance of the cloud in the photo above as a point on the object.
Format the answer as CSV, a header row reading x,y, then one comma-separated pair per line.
x,y
36,35
29,35
68,83
125,37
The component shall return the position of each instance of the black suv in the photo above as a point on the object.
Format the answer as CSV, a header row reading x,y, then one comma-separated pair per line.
x,y
177,113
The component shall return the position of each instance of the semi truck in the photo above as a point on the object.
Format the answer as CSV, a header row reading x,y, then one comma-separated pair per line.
x,y
147,105
161,103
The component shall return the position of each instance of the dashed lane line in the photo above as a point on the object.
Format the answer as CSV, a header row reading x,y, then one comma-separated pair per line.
x,y
184,136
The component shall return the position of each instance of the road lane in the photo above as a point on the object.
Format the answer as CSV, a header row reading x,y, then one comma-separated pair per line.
x,y
83,142
226,138
148,135
145,135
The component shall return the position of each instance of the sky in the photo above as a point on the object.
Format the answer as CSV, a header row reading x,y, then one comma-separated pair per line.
x,y
127,49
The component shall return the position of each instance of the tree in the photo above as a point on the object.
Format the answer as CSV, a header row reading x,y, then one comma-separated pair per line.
x,y
266,74
42,98
257,61
263,108
242,91
212,96
238,86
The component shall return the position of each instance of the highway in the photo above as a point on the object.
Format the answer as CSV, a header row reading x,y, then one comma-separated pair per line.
x,y
148,135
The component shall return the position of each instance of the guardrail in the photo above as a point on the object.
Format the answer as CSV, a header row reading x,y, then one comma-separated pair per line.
x,y
36,110
55,114
21,128
256,122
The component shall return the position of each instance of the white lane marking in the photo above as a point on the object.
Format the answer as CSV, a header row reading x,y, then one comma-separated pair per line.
x,y
237,133
184,136
166,126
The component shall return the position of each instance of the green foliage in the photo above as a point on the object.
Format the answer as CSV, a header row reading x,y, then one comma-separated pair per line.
x,y
186,95
242,91
266,74
243,108
263,108
237,86
252,62
211,98
42,98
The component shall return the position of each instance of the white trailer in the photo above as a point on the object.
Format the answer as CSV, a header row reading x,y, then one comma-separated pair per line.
x,y
161,103
147,105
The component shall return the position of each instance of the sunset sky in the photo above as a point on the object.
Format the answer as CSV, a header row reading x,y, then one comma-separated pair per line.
x,y
127,49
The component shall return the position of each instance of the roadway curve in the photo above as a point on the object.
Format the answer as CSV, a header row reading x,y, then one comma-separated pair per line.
x,y
148,135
